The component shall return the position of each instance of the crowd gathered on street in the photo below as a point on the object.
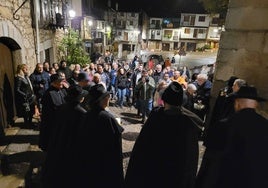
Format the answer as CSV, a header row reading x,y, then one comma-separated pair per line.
x,y
172,103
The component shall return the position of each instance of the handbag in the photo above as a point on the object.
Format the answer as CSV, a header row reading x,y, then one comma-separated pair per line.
x,y
26,106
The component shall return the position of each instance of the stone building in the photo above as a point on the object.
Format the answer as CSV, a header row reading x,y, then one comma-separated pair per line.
x,y
243,48
21,41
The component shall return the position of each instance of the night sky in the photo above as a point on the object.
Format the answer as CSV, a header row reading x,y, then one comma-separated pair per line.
x,y
161,8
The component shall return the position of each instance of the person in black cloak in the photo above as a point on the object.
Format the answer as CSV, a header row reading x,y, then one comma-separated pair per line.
x,y
58,168
99,160
244,159
53,97
223,107
214,134
166,151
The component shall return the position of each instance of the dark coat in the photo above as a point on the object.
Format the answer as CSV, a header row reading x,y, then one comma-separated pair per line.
x,y
215,142
223,109
245,156
51,101
165,153
23,94
99,159
234,155
60,162
121,82
203,95
40,79
215,139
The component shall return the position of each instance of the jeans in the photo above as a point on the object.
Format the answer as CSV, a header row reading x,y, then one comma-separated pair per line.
x,y
146,107
121,93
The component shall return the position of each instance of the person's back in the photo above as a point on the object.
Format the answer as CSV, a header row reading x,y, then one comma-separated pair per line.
x,y
244,161
215,133
62,143
100,133
234,156
166,153
162,156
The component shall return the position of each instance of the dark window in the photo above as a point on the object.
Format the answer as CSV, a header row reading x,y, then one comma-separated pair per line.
x,y
201,18
47,56
126,47
201,31
186,18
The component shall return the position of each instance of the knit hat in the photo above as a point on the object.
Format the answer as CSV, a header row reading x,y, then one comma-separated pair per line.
x,y
173,94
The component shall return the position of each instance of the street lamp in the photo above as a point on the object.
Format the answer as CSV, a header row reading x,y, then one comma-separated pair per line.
x,y
71,16
90,23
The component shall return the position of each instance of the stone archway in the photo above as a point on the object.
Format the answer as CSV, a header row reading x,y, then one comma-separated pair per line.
x,y
11,53
7,68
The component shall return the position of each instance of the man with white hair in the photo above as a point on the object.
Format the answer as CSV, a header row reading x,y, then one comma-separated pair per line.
x,y
201,101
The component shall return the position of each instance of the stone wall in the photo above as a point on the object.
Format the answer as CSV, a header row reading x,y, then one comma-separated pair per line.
x,y
18,30
243,48
24,35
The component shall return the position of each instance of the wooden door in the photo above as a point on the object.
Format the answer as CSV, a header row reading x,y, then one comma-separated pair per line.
x,y
6,86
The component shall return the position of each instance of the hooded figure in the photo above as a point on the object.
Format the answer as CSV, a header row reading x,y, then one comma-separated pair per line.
x,y
101,136
166,152
61,148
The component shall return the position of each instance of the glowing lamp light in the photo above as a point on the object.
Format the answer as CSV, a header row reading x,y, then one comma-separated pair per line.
x,y
90,23
71,13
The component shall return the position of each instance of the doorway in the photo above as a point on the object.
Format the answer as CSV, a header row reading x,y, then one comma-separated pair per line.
x,y
7,106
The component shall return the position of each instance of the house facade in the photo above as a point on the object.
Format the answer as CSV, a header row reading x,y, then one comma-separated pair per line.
x,y
199,30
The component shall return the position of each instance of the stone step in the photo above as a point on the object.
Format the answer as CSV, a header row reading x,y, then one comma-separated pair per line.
x,y
20,156
20,164
20,135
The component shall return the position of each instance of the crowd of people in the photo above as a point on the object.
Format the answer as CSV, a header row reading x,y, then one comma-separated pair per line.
x,y
173,104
